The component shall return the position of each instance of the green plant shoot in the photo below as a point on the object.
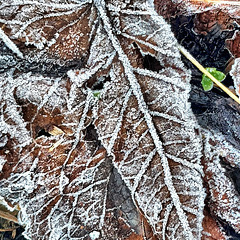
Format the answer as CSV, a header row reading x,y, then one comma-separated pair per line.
x,y
207,82
96,94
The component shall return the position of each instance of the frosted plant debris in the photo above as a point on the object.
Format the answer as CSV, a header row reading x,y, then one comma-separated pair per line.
x,y
139,142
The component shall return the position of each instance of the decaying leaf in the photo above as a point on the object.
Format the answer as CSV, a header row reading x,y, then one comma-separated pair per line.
x,y
224,198
235,75
207,30
211,229
127,164
189,7
223,116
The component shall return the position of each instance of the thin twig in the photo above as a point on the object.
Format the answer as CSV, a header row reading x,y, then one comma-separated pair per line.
x,y
203,70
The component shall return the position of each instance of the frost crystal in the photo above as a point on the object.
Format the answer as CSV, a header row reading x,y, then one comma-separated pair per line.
x,y
2,162
235,74
108,167
94,235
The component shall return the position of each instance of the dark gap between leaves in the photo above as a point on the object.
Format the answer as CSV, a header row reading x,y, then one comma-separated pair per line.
x,y
229,231
151,63
91,133
42,132
231,172
92,136
98,84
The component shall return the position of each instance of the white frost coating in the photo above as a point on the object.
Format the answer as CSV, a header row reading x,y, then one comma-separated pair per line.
x,y
192,7
151,3
50,92
186,163
64,180
94,235
142,171
55,234
3,140
165,220
161,76
156,48
11,112
10,44
225,202
79,80
119,123
2,162
23,24
227,150
92,187
144,109
235,73
24,219
54,4
6,205
26,181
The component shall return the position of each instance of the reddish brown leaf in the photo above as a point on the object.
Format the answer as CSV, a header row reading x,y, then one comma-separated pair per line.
x,y
224,200
211,229
138,174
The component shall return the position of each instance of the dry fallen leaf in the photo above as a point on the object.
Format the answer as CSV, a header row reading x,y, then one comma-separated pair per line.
x,y
127,163
235,75
224,199
207,31
211,229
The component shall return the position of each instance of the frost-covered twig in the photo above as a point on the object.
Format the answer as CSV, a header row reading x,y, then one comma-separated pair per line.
x,y
10,44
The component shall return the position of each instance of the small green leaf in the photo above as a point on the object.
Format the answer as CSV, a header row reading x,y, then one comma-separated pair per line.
x,y
207,82
96,94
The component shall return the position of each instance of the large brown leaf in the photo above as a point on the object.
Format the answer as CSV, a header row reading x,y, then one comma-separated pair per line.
x,y
138,174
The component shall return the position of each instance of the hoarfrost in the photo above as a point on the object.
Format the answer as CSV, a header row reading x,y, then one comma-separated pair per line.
x,y
10,44
235,74
94,235
3,160
68,152
224,199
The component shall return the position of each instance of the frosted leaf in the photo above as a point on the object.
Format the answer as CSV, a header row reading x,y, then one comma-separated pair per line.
x,y
211,228
208,18
224,200
190,7
10,44
223,116
144,120
54,26
94,235
236,75
2,162
124,166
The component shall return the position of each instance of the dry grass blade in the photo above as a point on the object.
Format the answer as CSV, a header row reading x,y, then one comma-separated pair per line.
x,y
55,145
55,131
203,70
8,216
8,230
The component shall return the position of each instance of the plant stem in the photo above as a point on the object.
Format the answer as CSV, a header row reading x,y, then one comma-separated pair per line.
x,y
203,70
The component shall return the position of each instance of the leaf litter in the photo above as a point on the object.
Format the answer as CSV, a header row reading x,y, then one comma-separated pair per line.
x,y
210,32
125,165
